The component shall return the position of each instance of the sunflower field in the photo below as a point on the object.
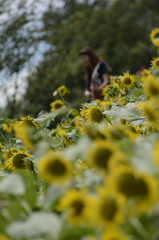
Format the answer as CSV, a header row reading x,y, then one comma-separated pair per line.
x,y
95,176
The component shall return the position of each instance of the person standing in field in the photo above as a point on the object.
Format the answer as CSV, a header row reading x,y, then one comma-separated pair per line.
x,y
97,73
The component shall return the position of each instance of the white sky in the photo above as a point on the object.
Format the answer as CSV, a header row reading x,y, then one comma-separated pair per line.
x,y
7,90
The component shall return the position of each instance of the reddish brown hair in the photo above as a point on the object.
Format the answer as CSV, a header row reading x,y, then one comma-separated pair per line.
x,y
94,59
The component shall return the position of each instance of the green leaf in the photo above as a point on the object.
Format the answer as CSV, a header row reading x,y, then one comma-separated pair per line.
x,y
38,224
74,112
137,93
12,184
73,233
158,50
137,81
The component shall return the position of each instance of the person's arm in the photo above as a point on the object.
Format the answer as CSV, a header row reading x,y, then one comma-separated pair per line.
x,y
105,81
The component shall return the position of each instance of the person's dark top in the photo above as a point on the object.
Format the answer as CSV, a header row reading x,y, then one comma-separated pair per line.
x,y
101,71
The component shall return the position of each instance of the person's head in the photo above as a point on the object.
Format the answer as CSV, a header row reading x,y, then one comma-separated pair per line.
x,y
88,58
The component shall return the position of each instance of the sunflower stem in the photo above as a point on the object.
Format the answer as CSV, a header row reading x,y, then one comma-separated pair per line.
x,y
108,120
36,180
4,137
136,223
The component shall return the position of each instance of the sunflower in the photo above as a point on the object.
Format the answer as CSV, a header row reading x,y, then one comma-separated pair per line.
x,y
54,168
155,63
109,208
150,111
56,105
21,132
155,153
62,90
127,80
151,87
100,154
145,74
79,167
112,91
8,127
93,114
63,133
28,122
139,189
154,36
18,160
113,234
78,205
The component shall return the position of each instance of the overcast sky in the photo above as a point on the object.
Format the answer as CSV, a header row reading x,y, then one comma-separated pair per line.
x,y
7,90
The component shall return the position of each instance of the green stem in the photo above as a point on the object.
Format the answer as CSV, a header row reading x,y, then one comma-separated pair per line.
x,y
136,223
108,120
4,137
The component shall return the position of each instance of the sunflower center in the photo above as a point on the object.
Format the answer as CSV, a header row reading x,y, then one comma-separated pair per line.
x,y
157,63
153,90
101,157
127,81
131,186
78,207
58,105
28,123
108,209
150,115
18,161
56,168
96,115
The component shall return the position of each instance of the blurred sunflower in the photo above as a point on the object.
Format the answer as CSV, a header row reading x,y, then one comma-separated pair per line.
x,y
151,87
54,168
154,36
127,81
145,74
100,154
62,90
56,105
8,127
113,234
142,188
150,111
18,160
155,63
110,207
22,133
93,114
78,205
27,122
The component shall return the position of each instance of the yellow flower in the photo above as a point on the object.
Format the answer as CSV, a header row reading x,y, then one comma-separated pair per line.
x,y
112,91
1,146
3,237
79,167
56,105
93,114
78,206
21,132
150,111
8,127
63,134
54,168
62,90
127,80
151,87
140,190
100,154
113,234
18,160
145,74
110,207
28,122
154,36
155,63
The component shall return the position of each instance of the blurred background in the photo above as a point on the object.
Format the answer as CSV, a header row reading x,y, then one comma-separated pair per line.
x,y
40,41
